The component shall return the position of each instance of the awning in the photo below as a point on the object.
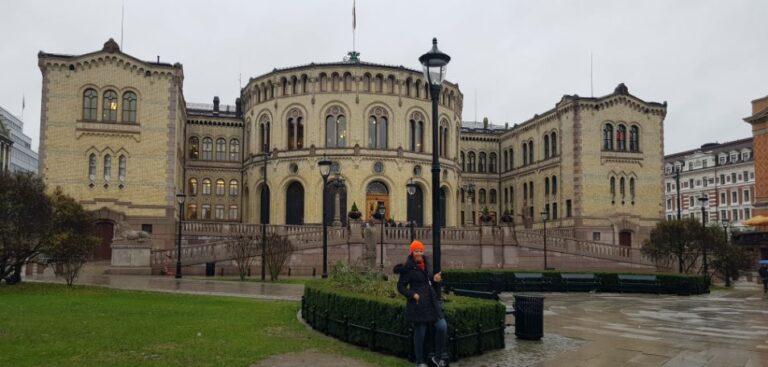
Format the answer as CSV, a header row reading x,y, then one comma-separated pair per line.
x,y
757,221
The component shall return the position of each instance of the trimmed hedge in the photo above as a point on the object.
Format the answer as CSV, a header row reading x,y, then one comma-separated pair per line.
x,y
503,280
349,316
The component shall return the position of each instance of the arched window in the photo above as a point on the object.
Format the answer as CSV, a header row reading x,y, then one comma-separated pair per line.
x,y
546,186
264,133
347,82
107,167
525,154
553,142
482,197
492,163
323,82
335,128
632,190
335,81
233,212
390,84
506,161
294,85
471,164
220,187
530,190
207,149
377,128
531,160
109,109
634,139
621,189
90,104
621,138
408,83
129,107
608,137
367,82
525,191
121,163
379,83
234,188
221,149
511,159
283,86
418,88
92,167
463,162
554,185
192,186
192,211
417,132
492,196
295,129
481,164
546,146
206,186
194,147
613,190
219,214
205,211
304,83
443,138
234,150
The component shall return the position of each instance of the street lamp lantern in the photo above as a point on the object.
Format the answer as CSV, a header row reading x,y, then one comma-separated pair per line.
x,y
411,187
435,64
180,198
325,167
325,170
545,216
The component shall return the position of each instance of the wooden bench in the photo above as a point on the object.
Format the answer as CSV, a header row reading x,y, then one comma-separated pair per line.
x,y
579,281
638,283
493,295
530,281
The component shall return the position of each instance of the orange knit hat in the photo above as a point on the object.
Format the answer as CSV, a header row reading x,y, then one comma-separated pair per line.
x,y
416,245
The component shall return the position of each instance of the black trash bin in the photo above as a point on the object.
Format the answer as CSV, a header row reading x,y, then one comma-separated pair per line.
x,y
529,317
210,269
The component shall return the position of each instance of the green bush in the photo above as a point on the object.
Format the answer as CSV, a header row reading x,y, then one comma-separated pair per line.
x,y
345,304
504,280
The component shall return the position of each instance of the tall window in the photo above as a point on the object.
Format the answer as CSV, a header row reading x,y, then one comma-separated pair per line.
x,y
206,211
632,189
525,154
207,149
234,150
553,142
481,163
335,128
546,186
613,190
492,163
233,212
295,129
482,197
506,161
221,149
92,167
90,104
234,188
109,110
220,187
554,185
471,163
621,138
554,211
129,107
492,196
192,211
443,141
194,147
634,139
107,167
417,132
546,146
367,82
347,81
264,133
192,186
219,212
511,158
530,152
608,137
377,128
121,162
206,186
621,189
463,162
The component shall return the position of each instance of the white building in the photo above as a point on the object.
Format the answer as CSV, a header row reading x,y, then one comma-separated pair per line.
x,y
723,173
23,158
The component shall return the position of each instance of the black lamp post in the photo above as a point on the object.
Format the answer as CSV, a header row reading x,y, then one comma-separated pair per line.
x,y
544,218
264,213
727,243
411,191
703,202
381,211
435,63
325,171
180,197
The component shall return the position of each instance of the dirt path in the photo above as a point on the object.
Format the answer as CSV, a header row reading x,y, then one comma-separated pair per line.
x,y
314,359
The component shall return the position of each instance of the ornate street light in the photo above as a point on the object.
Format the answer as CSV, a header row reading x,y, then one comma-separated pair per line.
x,y
325,171
703,202
381,211
264,214
412,191
180,198
544,218
435,64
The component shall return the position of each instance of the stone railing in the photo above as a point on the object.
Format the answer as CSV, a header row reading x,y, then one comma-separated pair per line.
x,y
535,239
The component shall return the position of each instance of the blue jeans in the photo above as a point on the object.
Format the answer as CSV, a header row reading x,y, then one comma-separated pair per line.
x,y
420,332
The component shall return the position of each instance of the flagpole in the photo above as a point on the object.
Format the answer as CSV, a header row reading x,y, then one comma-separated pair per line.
x,y
354,24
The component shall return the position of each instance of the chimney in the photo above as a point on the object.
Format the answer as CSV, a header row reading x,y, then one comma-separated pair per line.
x,y
759,105
216,104
238,107
485,123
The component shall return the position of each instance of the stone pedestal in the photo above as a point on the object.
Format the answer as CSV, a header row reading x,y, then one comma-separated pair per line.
x,y
487,247
131,257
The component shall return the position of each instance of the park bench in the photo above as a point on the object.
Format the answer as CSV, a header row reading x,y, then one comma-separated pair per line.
x,y
638,283
579,281
492,295
530,282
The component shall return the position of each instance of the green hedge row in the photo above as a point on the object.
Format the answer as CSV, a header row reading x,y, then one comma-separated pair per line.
x,y
350,316
503,280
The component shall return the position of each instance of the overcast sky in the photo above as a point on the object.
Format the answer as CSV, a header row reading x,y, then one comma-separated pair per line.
x,y
707,59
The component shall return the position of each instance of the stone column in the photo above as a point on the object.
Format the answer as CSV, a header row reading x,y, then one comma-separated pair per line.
x,y
337,209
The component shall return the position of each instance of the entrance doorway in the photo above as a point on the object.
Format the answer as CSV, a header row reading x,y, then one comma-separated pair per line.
x,y
376,194
294,204
105,231
625,238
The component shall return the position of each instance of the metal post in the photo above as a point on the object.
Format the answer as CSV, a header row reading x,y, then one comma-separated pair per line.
x,y
382,244
264,198
679,217
435,94
413,230
545,244
178,243
702,200
325,230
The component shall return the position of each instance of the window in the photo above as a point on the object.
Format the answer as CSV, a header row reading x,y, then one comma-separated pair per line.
x,y
107,167
511,158
621,189
745,156
669,187
722,179
471,164
481,199
492,163
723,214
192,211
192,186
416,125
506,161
481,164
546,146
722,198
194,147
613,189
121,162
704,181
747,213
634,139
462,158
746,176
733,177
690,183
632,190
546,186
525,154
554,185
206,211
608,137
221,149
595,236
554,210
669,204
335,128
264,133
234,188
234,150
90,104
377,128
443,142
553,142
734,198
691,201
206,186
220,187
530,152
621,133
492,196
129,107
109,110
746,196
723,159
734,214
92,167
207,149
734,157
219,212
568,213
295,129
233,212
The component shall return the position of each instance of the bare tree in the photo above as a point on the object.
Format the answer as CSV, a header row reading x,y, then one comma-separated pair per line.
x,y
278,251
243,251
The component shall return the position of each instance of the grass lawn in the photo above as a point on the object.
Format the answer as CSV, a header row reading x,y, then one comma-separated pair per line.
x,y
51,325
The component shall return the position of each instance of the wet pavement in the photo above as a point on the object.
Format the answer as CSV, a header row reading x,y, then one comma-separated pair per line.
x,y
274,291
724,328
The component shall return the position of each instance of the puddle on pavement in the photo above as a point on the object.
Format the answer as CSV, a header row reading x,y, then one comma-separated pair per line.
x,y
523,353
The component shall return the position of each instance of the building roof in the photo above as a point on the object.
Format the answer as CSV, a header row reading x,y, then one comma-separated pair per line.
x,y
712,148
110,47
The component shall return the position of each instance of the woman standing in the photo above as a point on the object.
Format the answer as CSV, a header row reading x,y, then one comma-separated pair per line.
x,y
422,307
